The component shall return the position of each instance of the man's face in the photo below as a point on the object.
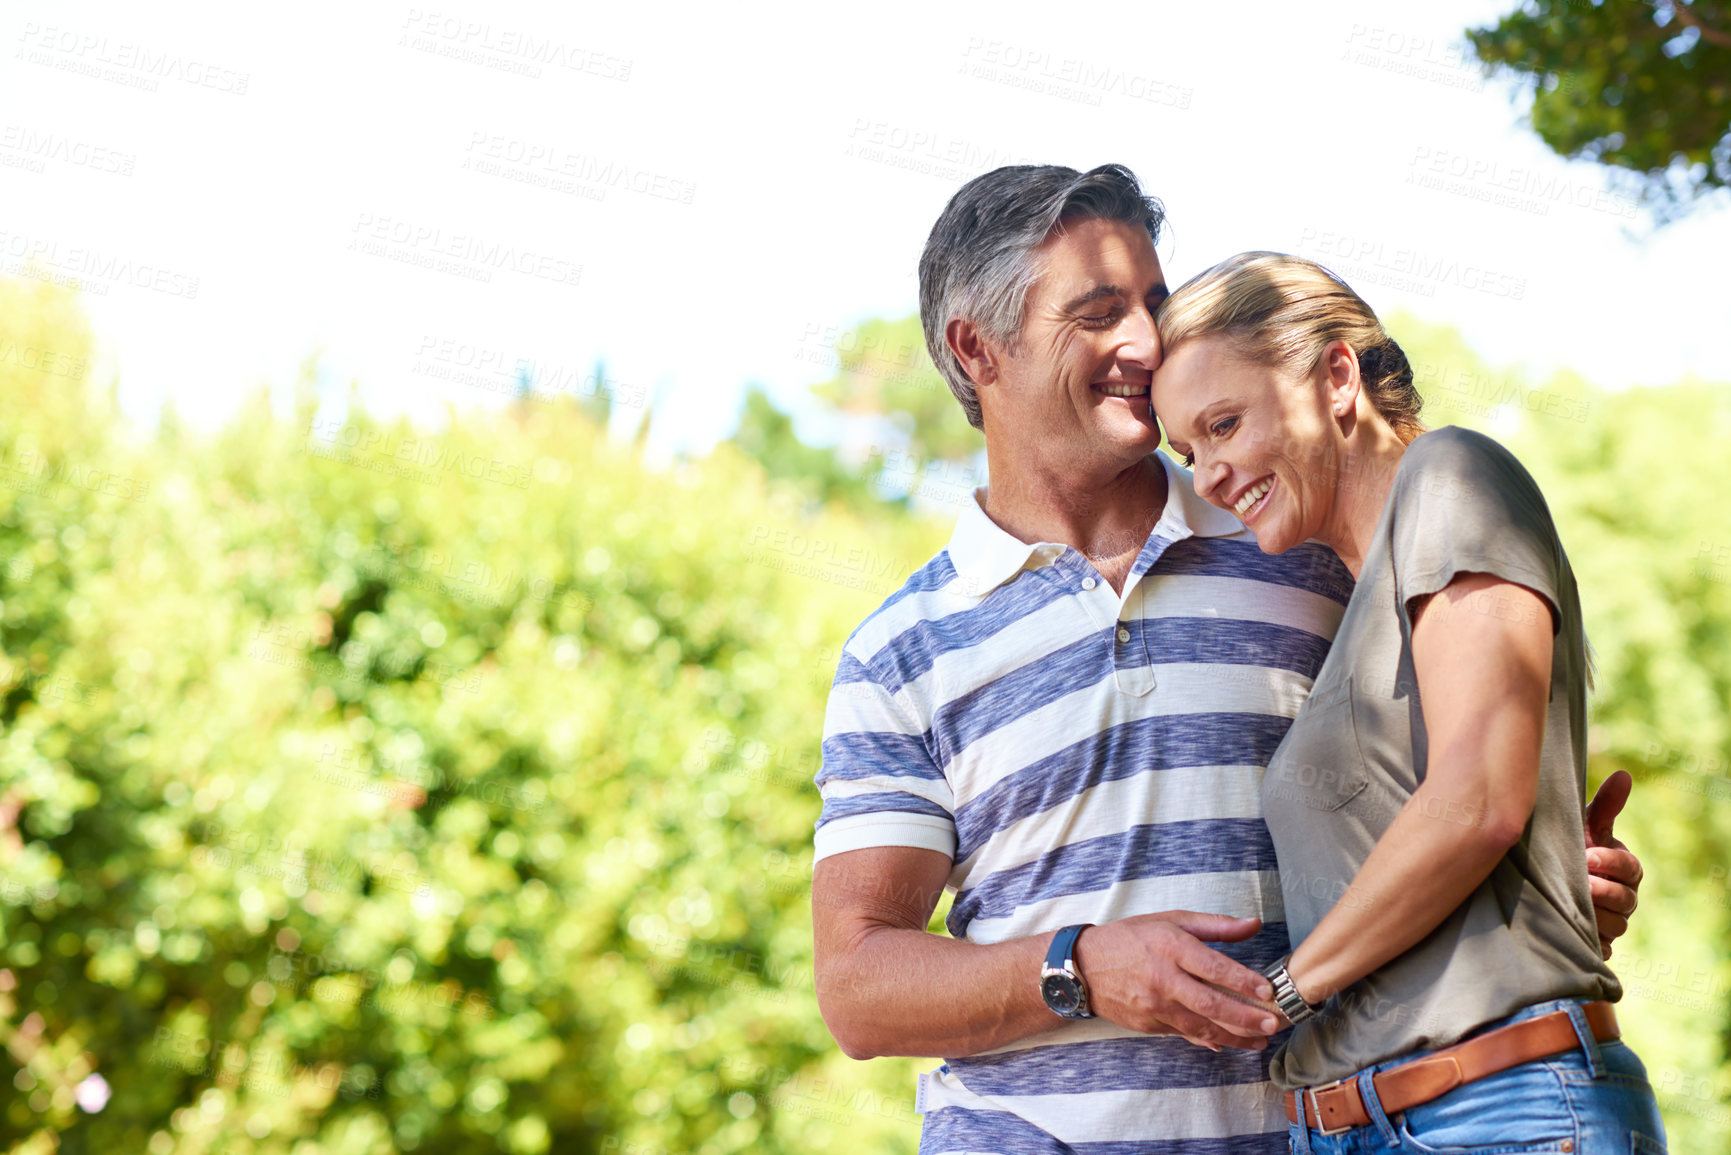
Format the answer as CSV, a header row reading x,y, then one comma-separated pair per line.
x,y
1074,396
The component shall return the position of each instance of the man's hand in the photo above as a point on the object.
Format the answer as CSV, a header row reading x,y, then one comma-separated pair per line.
x,y
1613,873
1154,974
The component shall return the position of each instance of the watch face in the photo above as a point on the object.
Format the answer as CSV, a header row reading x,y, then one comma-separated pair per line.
x,y
1062,993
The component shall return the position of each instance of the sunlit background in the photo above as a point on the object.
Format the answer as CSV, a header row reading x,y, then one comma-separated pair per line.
x,y
445,785
725,184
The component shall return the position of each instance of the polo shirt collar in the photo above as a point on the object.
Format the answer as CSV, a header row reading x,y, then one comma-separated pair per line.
x,y
985,555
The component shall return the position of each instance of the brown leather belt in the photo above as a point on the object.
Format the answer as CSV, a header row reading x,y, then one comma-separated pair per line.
x,y
1338,1106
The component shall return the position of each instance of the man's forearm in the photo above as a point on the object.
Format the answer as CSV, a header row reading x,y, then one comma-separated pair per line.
x,y
901,991
887,986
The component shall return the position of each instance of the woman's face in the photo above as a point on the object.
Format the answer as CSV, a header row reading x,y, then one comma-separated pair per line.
x,y
1263,441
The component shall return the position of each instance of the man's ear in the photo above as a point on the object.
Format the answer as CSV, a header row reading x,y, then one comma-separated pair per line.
x,y
969,346
1342,381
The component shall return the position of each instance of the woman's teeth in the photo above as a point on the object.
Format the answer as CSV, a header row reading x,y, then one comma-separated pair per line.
x,y
1252,496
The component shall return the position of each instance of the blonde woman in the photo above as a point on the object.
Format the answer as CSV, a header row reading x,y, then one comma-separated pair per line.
x,y
1465,1006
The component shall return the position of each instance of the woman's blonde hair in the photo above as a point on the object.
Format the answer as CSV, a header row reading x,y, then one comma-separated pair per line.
x,y
1282,310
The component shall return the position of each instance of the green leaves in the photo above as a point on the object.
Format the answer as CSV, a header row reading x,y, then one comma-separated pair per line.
x,y
1645,88
1624,475
359,782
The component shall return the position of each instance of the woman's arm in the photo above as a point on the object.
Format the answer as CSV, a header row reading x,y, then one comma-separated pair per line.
x,y
1481,649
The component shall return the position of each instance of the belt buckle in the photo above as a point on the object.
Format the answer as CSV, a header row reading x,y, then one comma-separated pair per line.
x,y
1316,1105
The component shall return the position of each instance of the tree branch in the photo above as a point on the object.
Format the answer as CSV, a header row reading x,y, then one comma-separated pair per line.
x,y
1708,33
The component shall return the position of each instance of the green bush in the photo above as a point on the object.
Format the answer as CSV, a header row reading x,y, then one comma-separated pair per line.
x,y
370,790
366,789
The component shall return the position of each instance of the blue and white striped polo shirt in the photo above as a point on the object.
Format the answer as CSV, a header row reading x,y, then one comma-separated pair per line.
x,y
1084,756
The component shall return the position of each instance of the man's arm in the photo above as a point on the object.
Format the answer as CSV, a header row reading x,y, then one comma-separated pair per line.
x,y
887,987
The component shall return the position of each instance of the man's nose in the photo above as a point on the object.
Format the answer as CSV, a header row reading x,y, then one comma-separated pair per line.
x,y
1141,345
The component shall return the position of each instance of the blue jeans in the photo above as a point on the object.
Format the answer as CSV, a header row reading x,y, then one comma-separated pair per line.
x,y
1593,1100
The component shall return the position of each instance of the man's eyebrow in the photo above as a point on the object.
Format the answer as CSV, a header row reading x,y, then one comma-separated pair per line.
x,y
1099,291
1094,294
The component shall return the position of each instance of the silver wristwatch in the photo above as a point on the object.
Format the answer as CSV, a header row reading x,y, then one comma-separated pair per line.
x,y
1286,996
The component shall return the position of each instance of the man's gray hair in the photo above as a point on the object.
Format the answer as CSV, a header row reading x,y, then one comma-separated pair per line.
x,y
979,263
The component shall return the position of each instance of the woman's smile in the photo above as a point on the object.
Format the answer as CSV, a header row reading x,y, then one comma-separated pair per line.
x,y
1251,502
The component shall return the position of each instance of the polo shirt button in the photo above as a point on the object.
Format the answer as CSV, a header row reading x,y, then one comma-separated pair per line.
x,y
1089,583
1123,634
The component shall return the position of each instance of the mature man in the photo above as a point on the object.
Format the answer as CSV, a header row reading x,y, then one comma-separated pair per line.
x,y
1064,717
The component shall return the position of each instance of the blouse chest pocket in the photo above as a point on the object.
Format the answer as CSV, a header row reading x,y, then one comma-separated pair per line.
x,y
1320,764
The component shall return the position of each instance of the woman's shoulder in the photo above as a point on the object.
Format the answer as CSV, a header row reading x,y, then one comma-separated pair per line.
x,y
1457,485
1466,458
1452,445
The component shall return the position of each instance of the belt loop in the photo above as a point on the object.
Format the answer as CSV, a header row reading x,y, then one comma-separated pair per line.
x,y
1373,1106
1584,1032
1300,1136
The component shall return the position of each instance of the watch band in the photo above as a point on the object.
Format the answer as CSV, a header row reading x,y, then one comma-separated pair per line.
x,y
1061,984
1063,946
1286,995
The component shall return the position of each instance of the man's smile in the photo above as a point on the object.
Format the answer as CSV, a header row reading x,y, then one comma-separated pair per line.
x,y
1121,389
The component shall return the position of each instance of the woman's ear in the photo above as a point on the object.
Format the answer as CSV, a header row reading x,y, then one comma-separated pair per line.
x,y
969,346
1342,382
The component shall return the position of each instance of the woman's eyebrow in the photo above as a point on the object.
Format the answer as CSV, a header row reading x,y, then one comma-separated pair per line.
x,y
1198,423
1205,416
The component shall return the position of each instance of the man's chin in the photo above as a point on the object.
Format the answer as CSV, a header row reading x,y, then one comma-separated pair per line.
x,y
1133,429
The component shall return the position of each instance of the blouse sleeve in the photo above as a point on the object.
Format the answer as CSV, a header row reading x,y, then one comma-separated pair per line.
x,y
1464,504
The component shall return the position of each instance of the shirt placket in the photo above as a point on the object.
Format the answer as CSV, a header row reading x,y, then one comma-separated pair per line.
x,y
1130,669
1132,658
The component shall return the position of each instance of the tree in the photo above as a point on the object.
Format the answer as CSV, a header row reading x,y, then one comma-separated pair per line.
x,y
885,371
1644,88
917,444
766,435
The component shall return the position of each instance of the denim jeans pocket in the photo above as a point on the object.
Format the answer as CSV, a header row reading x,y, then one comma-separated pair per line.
x,y
1520,1111
1640,1144
1487,1145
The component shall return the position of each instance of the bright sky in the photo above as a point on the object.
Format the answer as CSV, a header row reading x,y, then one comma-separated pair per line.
x,y
425,197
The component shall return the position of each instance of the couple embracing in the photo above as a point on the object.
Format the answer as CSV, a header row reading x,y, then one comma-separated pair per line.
x,y
1318,700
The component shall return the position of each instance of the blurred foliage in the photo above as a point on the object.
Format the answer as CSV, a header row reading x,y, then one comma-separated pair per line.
x,y
884,369
364,789
918,450
1642,87
368,789
766,435
1624,474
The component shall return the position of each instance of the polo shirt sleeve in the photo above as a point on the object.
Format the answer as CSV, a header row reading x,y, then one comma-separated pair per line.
x,y
879,783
